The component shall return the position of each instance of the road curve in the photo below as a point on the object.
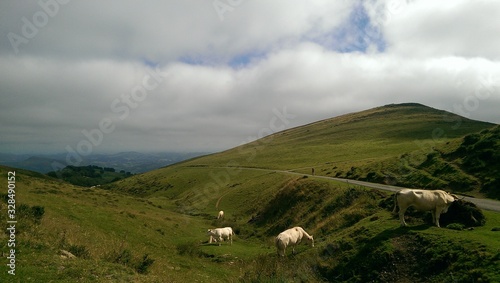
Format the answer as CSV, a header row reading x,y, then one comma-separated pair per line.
x,y
487,204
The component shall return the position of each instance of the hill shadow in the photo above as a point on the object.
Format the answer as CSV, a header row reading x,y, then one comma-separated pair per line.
x,y
393,255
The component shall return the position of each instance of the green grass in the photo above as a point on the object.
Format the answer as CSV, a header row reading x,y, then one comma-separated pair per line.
x,y
386,144
374,134
345,221
165,213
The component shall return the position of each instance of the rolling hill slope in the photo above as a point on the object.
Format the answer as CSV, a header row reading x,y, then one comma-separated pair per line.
x,y
373,145
357,138
162,215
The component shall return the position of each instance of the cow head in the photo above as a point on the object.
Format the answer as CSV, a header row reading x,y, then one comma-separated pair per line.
x,y
311,238
450,198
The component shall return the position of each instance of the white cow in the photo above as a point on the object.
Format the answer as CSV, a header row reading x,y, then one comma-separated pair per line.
x,y
437,201
291,237
219,234
220,215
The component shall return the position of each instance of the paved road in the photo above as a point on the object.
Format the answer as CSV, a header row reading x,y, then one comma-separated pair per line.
x,y
482,203
487,204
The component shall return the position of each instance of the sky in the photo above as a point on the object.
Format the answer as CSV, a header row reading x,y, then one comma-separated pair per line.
x,y
83,77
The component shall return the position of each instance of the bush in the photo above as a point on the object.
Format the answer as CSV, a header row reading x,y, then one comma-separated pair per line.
x,y
38,212
122,256
144,264
463,212
190,249
33,213
79,251
125,257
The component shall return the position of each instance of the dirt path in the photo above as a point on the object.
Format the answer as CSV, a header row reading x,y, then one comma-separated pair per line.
x,y
220,198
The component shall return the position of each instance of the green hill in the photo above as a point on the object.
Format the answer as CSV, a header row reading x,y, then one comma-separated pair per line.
x,y
352,139
152,227
467,165
385,144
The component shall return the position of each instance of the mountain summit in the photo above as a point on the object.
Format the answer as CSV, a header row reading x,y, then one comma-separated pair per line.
x,y
351,139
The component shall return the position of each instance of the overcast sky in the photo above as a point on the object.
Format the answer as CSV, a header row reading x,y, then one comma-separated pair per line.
x,y
191,75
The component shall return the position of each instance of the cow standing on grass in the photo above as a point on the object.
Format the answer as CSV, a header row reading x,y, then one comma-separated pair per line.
x,y
220,215
291,237
436,201
220,234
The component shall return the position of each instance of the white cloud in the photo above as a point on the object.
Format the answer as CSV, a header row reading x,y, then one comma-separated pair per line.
x,y
454,28
224,78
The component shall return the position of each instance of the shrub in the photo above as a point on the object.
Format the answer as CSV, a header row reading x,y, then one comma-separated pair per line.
x,y
79,251
190,249
122,256
38,212
125,257
144,264
463,212
30,217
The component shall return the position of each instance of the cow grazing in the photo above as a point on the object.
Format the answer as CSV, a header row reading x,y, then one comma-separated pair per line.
x,y
219,234
436,201
291,237
220,215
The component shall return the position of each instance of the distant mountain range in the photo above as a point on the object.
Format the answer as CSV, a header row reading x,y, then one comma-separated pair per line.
x,y
134,162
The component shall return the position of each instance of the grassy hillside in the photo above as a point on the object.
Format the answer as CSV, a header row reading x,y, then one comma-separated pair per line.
x,y
114,236
345,141
161,237
389,144
467,165
152,227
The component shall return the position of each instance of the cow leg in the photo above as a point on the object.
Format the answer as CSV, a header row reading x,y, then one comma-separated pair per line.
x,y
433,216
281,252
394,210
231,239
402,211
438,214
